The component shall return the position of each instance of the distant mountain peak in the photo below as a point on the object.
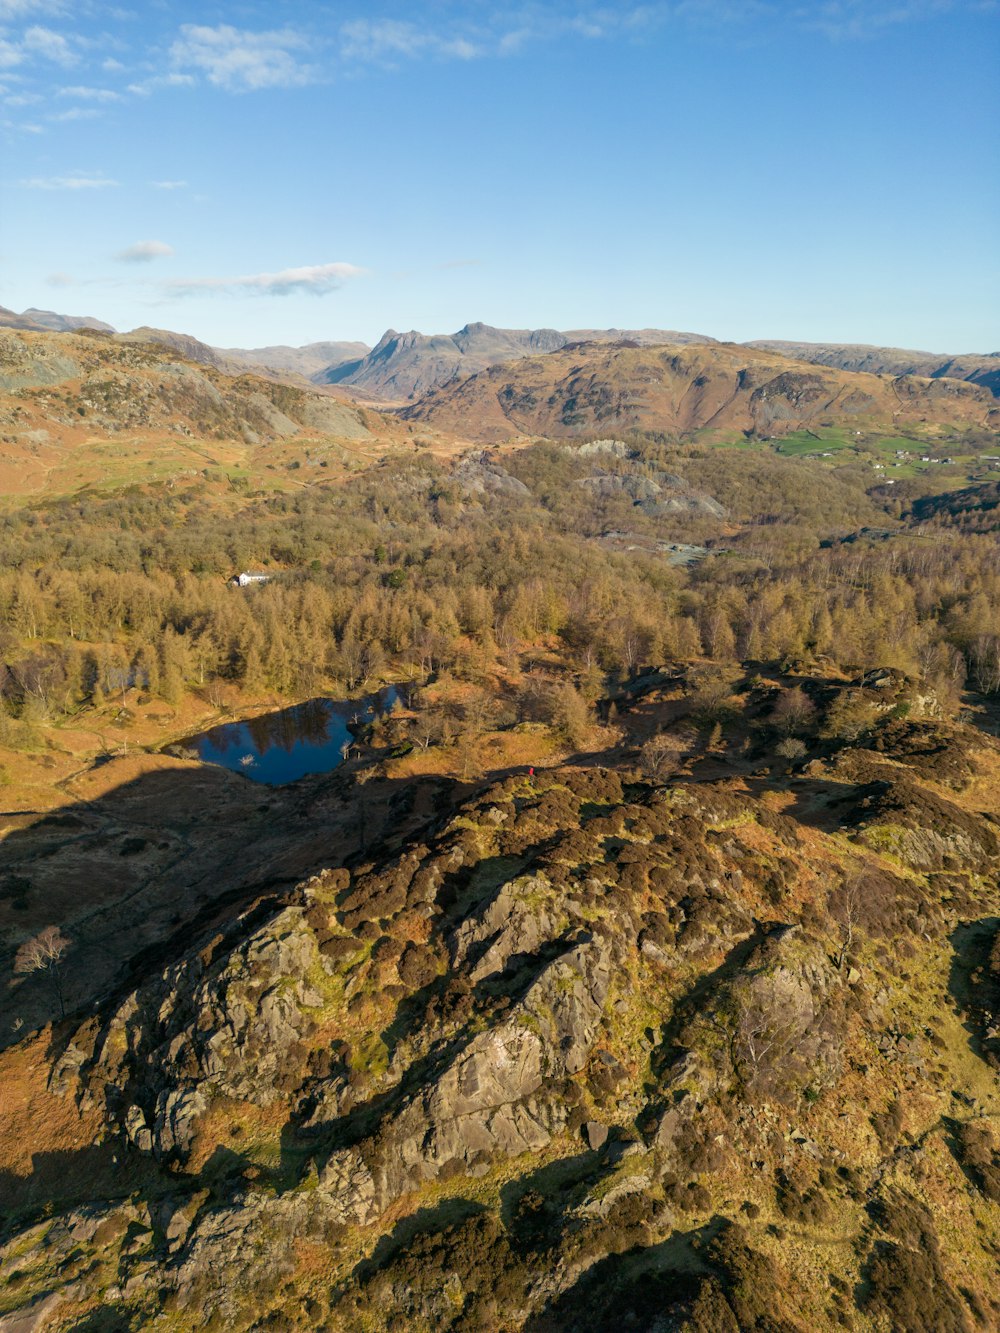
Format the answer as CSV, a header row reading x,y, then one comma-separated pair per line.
x,y
407,365
51,322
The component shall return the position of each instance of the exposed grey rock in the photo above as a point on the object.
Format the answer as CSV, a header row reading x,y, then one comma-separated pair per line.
x,y
596,1134
617,448
226,1030
488,1101
477,473
511,922
349,1188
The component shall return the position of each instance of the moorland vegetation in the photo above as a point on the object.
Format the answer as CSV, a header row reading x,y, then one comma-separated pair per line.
x,y
641,973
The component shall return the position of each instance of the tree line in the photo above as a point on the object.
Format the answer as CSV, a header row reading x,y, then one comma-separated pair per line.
x,y
409,570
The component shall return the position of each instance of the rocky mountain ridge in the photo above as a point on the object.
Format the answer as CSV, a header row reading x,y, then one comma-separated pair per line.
x,y
590,388
408,365
984,370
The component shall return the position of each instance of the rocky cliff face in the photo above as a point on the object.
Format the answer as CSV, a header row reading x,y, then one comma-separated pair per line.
x,y
590,1052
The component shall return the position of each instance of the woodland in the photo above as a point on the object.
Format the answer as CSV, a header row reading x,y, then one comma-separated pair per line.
x,y
411,571
637,972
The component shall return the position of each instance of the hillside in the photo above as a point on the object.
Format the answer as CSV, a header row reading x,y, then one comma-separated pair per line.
x,y
406,365
679,390
582,1049
308,361
82,409
976,369
51,321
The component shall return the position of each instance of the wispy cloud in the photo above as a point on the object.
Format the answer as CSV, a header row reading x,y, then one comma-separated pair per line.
x,y
315,280
36,44
77,181
77,113
384,41
847,20
91,94
143,252
146,86
20,9
169,185
242,61
60,280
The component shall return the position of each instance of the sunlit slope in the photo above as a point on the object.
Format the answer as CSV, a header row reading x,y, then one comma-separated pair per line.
x,y
682,389
85,410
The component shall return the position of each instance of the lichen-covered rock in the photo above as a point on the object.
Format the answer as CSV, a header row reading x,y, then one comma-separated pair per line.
x,y
223,1027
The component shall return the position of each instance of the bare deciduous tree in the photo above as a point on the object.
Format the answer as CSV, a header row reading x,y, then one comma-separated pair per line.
x,y
660,756
847,913
44,953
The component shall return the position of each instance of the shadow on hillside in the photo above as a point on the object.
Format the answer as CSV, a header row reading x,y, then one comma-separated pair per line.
x,y
425,1222
534,1206
975,986
816,802
134,876
73,1176
641,1288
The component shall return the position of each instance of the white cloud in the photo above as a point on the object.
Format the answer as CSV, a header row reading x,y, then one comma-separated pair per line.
x,y
19,9
91,94
48,44
860,19
36,43
382,41
10,54
60,280
145,251
78,181
169,185
78,113
148,86
241,61
315,279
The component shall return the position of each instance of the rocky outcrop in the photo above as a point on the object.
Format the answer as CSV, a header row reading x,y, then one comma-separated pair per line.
x,y
222,1027
546,1059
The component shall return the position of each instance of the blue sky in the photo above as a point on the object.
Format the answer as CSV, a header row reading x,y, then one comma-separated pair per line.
x,y
258,174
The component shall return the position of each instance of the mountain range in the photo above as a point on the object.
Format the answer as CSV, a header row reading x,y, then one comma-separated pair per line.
x,y
62,394
892,361
404,366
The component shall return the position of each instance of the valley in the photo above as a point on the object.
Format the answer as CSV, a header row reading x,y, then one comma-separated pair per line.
x,y
636,967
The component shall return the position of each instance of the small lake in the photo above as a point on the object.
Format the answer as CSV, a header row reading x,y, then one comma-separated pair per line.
x,y
276,748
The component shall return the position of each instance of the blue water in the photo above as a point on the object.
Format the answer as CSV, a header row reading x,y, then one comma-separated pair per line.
x,y
280,747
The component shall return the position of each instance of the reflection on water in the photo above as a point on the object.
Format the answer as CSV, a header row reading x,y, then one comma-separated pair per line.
x,y
279,747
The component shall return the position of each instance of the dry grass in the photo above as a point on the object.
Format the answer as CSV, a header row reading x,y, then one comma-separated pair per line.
x,y
35,1122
